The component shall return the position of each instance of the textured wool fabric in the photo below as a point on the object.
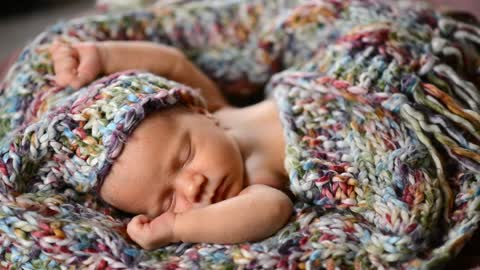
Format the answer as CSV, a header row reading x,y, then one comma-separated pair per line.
x,y
76,142
380,109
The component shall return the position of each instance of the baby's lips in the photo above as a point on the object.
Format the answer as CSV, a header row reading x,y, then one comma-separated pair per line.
x,y
218,195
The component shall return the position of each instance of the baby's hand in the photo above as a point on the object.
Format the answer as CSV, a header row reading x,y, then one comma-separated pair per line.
x,y
77,64
152,234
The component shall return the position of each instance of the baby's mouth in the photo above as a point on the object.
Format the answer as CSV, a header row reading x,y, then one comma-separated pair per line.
x,y
218,195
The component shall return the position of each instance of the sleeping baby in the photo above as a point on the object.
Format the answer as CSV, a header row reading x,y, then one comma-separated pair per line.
x,y
188,174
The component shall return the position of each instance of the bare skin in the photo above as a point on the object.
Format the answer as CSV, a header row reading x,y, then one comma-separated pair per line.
x,y
189,175
78,64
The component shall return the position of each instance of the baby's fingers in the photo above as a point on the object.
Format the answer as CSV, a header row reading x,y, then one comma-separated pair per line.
x,y
65,64
60,51
140,219
65,71
137,223
89,66
57,43
80,80
136,227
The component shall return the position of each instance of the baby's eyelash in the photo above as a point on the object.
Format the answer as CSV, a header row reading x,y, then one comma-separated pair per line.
x,y
189,155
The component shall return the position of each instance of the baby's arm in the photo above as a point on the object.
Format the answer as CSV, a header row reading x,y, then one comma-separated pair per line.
x,y
163,60
82,62
256,213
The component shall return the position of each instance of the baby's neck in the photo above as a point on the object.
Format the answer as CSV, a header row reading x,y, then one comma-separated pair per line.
x,y
257,130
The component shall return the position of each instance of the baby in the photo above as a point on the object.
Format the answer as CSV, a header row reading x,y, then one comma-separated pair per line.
x,y
188,175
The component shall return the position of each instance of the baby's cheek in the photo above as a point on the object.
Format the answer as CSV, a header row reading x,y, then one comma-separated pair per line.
x,y
182,205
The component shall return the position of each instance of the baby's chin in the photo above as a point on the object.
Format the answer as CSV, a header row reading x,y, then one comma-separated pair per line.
x,y
241,176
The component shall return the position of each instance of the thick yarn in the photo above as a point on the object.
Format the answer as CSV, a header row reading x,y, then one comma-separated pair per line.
x,y
379,105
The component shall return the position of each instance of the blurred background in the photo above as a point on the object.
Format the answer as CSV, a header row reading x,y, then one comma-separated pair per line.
x,y
21,20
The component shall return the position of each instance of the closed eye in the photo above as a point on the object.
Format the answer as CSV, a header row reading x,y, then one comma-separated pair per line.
x,y
190,152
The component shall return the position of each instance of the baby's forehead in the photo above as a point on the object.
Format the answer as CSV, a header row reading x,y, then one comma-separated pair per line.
x,y
151,141
170,115
164,121
172,120
145,149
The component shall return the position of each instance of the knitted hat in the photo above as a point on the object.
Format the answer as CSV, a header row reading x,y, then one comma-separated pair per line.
x,y
77,142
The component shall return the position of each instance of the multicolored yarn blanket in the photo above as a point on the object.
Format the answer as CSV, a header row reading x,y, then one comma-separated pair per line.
x,y
380,106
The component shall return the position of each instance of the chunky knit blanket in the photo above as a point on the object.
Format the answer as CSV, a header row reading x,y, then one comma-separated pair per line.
x,y
380,108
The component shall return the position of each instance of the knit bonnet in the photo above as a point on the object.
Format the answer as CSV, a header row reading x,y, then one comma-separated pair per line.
x,y
76,143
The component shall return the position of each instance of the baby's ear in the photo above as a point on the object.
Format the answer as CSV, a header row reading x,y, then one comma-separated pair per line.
x,y
198,109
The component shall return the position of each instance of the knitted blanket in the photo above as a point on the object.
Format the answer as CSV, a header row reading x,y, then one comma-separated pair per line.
x,y
380,109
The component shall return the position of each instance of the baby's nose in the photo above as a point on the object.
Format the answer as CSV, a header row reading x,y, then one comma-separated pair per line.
x,y
195,188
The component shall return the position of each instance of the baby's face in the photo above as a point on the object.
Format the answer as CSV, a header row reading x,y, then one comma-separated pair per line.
x,y
175,160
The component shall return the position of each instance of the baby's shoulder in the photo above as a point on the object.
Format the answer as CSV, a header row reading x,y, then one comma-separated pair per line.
x,y
268,178
262,171
272,181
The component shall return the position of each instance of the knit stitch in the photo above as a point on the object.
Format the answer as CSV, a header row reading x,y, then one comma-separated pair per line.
x,y
380,109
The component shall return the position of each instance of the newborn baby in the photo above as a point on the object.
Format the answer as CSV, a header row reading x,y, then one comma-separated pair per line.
x,y
187,174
